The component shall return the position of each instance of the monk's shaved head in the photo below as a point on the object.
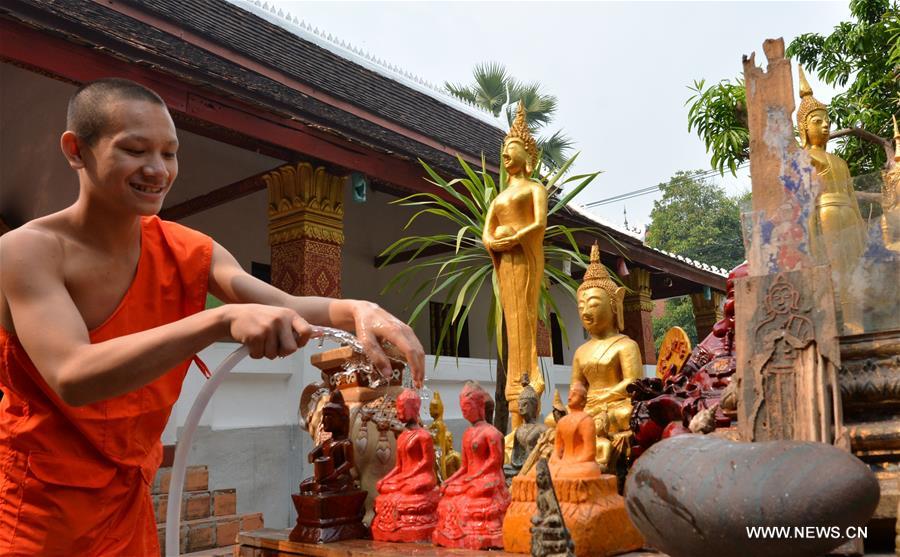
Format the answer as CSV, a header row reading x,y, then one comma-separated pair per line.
x,y
88,112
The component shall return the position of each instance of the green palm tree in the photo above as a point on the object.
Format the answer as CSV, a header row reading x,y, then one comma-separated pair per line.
x,y
496,91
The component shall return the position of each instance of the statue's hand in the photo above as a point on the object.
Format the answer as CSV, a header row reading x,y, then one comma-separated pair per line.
x,y
504,244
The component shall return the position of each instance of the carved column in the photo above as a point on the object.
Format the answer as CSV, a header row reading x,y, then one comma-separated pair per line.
x,y
306,229
638,309
544,348
706,312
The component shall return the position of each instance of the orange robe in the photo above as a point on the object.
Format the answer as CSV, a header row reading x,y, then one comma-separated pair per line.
x,y
76,481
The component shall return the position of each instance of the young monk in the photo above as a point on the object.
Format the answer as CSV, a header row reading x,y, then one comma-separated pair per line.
x,y
102,309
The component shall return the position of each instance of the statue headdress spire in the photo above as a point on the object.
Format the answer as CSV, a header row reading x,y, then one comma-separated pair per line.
x,y
519,130
808,104
597,276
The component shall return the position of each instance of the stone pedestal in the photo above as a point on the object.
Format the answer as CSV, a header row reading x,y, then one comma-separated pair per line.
x,y
306,233
329,517
405,518
706,312
593,511
638,313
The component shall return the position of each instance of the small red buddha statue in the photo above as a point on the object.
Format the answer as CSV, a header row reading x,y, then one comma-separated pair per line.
x,y
406,506
475,498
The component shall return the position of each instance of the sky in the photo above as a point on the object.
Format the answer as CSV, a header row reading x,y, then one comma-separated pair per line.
x,y
620,70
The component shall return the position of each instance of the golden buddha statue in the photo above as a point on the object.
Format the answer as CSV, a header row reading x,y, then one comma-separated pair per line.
x,y
890,199
447,460
837,231
606,363
514,238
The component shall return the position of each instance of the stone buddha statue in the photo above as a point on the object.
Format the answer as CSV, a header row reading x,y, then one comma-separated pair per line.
x,y
529,432
475,498
607,363
406,506
447,462
837,231
330,505
514,238
332,459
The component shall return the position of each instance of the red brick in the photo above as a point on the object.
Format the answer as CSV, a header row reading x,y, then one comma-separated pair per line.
x,y
250,522
195,505
200,536
196,479
226,531
224,502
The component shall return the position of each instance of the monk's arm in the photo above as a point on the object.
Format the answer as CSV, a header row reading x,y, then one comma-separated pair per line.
x,y
55,336
372,325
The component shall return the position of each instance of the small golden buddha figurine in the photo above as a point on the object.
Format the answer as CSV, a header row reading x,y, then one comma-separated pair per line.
x,y
837,231
606,363
890,199
514,238
448,460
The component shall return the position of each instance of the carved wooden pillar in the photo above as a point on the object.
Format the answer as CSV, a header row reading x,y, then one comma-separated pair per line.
x,y
306,229
638,309
543,340
706,312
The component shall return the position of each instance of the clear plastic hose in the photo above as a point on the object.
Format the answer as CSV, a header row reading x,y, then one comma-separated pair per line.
x,y
183,447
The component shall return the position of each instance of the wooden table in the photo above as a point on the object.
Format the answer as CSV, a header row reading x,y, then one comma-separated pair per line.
x,y
275,543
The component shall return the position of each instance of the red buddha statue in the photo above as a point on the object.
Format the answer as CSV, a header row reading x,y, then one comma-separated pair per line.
x,y
475,498
406,506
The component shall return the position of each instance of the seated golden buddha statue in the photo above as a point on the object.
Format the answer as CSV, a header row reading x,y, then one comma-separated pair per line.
x,y
837,231
475,498
606,363
406,506
529,432
513,236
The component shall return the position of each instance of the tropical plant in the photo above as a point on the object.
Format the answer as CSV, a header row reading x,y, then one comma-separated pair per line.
x,y
864,53
499,93
458,275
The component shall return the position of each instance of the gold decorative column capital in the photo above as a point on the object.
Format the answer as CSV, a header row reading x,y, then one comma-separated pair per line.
x,y
305,202
638,282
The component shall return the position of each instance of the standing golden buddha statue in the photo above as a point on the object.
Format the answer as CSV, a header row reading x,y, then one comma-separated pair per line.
x,y
890,199
607,363
514,238
837,231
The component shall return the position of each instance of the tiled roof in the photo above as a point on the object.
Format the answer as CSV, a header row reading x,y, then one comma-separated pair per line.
x,y
251,31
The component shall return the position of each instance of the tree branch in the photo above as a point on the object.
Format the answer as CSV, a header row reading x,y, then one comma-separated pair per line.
x,y
860,133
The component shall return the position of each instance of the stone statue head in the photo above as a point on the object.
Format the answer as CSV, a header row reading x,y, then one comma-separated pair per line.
x,y
520,150
600,299
408,406
813,123
528,401
336,416
472,402
577,396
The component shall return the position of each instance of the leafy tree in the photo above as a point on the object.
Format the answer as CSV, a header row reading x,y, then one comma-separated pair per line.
x,y
489,91
696,219
864,52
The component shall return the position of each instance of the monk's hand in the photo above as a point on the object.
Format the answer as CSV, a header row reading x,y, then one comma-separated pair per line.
x,y
375,326
503,244
267,331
